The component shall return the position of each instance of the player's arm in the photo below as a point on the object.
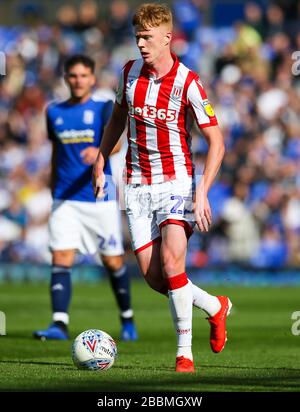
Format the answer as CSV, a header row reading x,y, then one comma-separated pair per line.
x,y
117,147
111,136
215,154
107,113
207,123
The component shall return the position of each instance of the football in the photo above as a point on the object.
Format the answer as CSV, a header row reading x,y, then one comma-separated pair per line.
x,y
94,349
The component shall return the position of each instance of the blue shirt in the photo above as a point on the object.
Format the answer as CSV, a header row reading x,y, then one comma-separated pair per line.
x,y
72,128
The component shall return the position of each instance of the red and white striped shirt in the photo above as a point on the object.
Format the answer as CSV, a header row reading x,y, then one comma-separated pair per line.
x,y
159,120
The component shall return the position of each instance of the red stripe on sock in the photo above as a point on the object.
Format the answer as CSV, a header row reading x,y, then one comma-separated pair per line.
x,y
177,281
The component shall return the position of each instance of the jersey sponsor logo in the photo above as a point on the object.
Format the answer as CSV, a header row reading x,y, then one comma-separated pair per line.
x,y
152,112
177,92
88,117
76,136
208,108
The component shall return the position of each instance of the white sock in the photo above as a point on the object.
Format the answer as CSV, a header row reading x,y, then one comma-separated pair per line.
x,y
203,300
181,306
61,316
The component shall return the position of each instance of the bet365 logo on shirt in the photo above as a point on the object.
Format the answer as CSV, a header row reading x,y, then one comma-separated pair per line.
x,y
152,112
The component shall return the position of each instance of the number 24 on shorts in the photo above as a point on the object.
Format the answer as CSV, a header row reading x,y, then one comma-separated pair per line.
x,y
110,242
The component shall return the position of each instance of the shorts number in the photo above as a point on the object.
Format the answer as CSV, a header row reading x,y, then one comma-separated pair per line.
x,y
112,242
102,241
179,202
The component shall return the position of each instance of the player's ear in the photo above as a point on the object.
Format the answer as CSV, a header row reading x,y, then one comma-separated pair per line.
x,y
168,38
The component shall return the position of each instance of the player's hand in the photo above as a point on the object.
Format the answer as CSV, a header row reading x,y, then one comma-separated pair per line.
x,y
98,177
202,210
89,155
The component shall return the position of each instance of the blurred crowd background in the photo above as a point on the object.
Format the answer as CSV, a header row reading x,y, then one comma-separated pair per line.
x,y
243,52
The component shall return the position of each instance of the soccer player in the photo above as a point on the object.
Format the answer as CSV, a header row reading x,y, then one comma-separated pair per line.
x,y
159,96
78,222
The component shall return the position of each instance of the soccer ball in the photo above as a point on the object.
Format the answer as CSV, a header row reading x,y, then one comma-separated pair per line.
x,y
94,349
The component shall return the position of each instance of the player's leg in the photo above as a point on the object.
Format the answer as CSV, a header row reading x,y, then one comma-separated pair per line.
x,y
216,307
149,263
61,288
120,283
177,208
145,235
173,254
150,266
60,293
64,232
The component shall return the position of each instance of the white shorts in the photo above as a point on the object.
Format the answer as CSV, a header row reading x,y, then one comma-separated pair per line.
x,y
87,227
150,207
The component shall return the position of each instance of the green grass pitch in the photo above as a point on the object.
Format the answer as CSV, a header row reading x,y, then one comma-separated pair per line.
x,y
261,354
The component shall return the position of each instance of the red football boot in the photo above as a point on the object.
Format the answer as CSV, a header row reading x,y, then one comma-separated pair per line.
x,y
218,334
184,364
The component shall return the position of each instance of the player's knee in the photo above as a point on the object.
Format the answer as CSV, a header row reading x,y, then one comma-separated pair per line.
x,y
113,263
63,257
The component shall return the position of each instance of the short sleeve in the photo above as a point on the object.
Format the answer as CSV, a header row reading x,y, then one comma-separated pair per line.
x,y
50,131
200,105
120,96
121,90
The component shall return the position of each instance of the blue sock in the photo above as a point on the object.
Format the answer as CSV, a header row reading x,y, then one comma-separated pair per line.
x,y
60,289
119,280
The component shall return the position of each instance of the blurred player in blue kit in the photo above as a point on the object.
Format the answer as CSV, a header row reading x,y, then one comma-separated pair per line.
x,y
78,222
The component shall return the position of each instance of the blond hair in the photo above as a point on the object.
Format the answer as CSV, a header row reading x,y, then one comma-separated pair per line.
x,y
152,15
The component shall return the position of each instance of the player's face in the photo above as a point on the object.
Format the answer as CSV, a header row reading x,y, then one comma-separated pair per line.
x,y
153,43
80,80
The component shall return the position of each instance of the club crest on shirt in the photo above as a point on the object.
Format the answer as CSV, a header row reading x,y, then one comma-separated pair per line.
x,y
176,92
208,108
88,117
